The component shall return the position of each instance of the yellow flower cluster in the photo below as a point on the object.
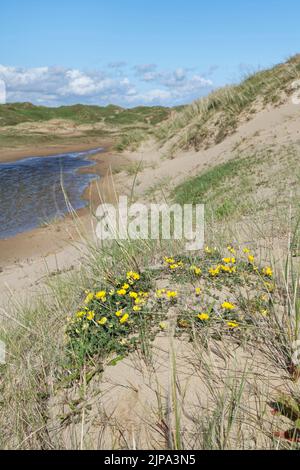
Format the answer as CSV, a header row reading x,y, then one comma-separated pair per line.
x,y
215,271
89,298
228,269
172,263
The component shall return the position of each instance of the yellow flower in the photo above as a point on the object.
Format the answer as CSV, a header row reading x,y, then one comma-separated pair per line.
x,y
159,293
232,324
119,313
89,298
264,312
124,319
215,271
101,295
111,292
229,260
228,306
198,291
172,294
208,250
246,251
268,271
136,308
80,314
90,315
197,271
103,321
226,269
121,292
173,267
126,286
133,276
231,249
203,316
163,325
169,260
251,259
133,295
140,301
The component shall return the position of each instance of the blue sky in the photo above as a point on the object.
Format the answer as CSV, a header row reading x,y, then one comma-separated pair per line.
x,y
133,52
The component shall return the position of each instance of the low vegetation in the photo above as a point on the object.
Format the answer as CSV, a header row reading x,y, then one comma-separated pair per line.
x,y
23,124
17,113
222,304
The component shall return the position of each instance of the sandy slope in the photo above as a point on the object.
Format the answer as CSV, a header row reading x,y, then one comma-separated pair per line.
x,y
124,402
271,126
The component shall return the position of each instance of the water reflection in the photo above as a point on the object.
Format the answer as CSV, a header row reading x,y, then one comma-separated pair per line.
x,y
32,190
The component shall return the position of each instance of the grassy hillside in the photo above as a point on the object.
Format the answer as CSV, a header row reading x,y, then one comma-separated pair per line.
x,y
209,120
16,113
43,125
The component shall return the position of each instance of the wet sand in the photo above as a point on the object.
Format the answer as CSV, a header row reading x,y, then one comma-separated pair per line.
x,y
12,155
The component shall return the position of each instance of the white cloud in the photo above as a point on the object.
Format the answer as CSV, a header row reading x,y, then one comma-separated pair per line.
x,y
2,92
146,85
